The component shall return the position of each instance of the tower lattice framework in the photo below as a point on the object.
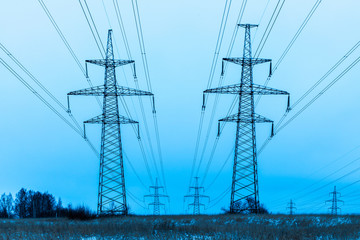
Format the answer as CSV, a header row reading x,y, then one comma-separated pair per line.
x,y
111,188
196,204
335,209
291,207
244,186
156,195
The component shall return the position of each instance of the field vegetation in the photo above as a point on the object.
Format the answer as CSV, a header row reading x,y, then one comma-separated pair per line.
x,y
185,227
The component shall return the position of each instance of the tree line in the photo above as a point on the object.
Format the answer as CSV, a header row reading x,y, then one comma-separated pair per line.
x,y
34,204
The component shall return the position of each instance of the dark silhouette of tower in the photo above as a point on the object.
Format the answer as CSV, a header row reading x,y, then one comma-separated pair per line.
x,y
334,209
111,189
157,204
245,177
196,204
291,207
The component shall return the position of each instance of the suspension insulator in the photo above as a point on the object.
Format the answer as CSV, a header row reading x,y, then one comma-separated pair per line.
x,y
68,103
288,104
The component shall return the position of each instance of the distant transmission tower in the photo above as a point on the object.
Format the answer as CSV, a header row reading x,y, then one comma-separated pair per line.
x,y
157,204
291,207
111,189
197,196
245,177
334,202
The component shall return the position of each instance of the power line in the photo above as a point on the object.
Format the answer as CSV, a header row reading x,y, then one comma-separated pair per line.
x,y
232,42
320,94
99,46
261,18
281,127
123,102
269,28
317,171
58,30
321,180
301,28
141,41
295,37
333,68
28,86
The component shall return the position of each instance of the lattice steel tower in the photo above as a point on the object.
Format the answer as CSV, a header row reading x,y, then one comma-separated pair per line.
x,y
111,189
334,202
245,177
291,207
157,204
197,196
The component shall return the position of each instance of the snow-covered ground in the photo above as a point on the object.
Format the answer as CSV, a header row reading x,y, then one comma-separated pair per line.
x,y
186,227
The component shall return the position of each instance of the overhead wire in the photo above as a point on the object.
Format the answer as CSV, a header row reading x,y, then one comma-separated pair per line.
x,y
102,52
269,27
289,46
61,35
261,18
141,41
317,171
281,127
311,89
222,28
127,48
38,83
297,34
320,181
320,94
123,102
232,41
219,198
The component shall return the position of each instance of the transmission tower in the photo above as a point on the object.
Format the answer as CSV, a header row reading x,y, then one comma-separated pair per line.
x,y
334,202
291,207
157,204
197,196
245,177
111,189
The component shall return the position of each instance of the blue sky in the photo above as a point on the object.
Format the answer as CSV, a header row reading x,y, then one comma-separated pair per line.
x,y
40,152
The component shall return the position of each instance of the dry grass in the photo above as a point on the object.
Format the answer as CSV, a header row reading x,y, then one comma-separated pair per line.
x,y
186,227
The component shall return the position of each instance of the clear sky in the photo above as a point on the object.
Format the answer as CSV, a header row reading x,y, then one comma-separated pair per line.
x,y
40,152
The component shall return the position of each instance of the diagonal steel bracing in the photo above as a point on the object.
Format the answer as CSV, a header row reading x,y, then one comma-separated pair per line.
x,y
111,189
245,178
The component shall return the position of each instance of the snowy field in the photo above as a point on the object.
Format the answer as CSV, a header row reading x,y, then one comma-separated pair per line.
x,y
186,227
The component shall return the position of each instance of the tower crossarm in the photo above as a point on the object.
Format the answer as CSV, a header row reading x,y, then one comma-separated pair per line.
x,y
109,120
247,61
149,195
120,91
204,196
194,204
154,203
247,119
109,62
192,195
256,89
